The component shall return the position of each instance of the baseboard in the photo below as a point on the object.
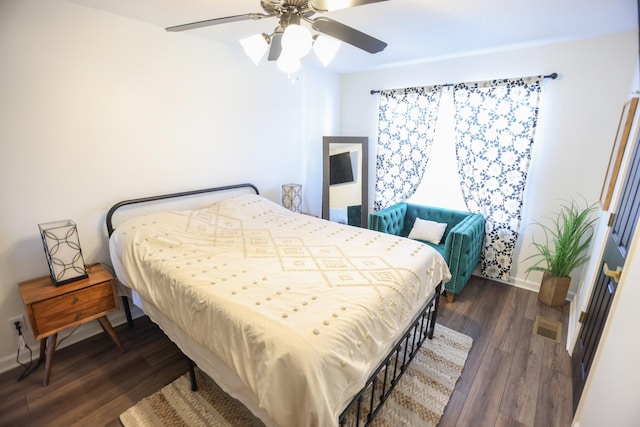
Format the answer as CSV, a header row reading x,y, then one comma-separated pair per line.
x,y
514,281
525,284
83,332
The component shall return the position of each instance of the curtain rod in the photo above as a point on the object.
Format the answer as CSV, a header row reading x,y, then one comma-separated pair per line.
x,y
551,76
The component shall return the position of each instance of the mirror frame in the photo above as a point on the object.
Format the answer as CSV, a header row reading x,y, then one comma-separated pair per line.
x,y
364,173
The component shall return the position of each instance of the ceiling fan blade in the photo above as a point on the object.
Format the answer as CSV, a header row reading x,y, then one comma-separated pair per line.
x,y
217,21
348,35
329,5
276,46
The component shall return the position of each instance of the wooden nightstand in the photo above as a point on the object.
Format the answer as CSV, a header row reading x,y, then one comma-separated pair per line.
x,y
52,309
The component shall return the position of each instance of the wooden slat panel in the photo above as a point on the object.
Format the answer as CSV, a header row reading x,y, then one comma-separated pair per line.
x,y
485,397
601,311
627,217
524,377
589,328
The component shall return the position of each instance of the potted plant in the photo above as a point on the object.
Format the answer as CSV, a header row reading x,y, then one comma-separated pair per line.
x,y
563,249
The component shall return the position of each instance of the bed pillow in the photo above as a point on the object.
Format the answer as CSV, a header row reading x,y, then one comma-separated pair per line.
x,y
428,231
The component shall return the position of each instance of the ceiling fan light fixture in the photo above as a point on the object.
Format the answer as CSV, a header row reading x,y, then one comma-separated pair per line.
x,y
255,46
288,64
325,48
296,41
290,40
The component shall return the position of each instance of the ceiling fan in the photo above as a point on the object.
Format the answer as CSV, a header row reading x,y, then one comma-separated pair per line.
x,y
291,13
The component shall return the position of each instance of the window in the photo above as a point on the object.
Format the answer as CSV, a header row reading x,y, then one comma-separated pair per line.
x,y
440,184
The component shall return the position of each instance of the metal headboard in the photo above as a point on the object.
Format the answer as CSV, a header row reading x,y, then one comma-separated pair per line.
x,y
118,205
114,208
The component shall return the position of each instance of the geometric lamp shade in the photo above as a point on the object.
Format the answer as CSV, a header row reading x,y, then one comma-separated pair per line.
x,y
62,249
292,197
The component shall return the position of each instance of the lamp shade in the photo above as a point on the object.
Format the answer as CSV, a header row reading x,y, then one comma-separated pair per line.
x,y
255,47
292,197
62,249
325,48
288,64
296,41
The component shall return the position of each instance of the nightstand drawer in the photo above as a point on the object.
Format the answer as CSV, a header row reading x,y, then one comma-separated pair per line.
x,y
52,309
71,308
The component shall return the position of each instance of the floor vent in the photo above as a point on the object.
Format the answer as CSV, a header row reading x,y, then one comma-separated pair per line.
x,y
547,328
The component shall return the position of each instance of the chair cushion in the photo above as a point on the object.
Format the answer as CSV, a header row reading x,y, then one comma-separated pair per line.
x,y
426,230
439,248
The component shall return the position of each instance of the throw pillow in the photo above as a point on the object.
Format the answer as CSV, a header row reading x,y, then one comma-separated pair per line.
x,y
429,231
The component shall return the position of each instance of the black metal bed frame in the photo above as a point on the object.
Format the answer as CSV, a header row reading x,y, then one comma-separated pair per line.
x,y
369,400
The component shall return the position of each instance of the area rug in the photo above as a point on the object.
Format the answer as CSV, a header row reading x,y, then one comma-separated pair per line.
x,y
418,400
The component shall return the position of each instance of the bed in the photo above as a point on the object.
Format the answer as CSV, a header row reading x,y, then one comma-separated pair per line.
x,y
305,321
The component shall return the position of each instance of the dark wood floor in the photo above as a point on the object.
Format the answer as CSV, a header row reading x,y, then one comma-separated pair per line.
x,y
512,377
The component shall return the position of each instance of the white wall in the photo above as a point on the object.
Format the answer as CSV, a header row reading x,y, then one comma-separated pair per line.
x,y
96,108
579,114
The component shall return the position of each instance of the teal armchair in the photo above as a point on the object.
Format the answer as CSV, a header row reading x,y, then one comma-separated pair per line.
x,y
461,243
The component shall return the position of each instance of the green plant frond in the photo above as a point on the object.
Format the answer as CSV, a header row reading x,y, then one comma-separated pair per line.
x,y
565,240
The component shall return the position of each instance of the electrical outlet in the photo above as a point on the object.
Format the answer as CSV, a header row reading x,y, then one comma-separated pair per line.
x,y
12,325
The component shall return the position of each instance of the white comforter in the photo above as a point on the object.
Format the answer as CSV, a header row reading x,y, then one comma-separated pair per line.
x,y
300,308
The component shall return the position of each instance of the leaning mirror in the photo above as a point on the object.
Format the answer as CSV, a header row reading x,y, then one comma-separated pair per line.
x,y
345,179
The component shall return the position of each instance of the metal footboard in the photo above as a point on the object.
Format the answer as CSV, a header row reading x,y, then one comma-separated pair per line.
x,y
368,402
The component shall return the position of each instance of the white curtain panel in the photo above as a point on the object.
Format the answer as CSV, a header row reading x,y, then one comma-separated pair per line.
x,y
406,126
495,126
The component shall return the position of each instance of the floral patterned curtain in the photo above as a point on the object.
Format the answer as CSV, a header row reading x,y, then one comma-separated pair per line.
x,y
495,126
406,125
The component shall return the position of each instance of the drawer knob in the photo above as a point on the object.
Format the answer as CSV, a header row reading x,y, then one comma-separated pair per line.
x,y
75,300
78,315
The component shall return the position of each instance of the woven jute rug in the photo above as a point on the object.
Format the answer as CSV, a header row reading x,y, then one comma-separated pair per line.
x,y
419,399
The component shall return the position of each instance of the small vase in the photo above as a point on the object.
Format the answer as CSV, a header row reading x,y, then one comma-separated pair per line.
x,y
553,290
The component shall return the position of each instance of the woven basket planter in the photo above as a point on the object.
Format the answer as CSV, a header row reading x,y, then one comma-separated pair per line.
x,y
553,290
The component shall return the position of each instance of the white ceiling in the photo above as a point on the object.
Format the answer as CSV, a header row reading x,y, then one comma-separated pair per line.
x,y
415,30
